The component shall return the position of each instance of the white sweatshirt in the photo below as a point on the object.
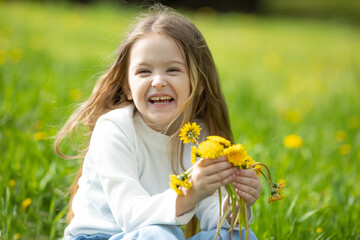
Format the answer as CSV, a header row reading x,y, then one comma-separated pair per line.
x,y
124,183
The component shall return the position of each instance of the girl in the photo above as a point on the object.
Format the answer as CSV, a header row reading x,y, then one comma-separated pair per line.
x,y
163,77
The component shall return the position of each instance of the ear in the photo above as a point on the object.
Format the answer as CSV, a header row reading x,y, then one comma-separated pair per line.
x,y
128,94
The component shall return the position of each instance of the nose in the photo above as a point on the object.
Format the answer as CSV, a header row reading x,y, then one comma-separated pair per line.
x,y
159,81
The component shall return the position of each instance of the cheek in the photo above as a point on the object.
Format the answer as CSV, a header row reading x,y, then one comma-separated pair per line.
x,y
138,92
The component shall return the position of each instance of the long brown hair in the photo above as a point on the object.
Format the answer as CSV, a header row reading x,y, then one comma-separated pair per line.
x,y
206,101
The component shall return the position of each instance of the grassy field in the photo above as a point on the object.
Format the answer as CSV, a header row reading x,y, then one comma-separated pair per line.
x,y
281,76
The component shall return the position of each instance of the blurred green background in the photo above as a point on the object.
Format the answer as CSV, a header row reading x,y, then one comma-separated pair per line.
x,y
290,74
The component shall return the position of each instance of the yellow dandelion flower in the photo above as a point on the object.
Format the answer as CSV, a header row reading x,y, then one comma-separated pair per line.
x,y
237,155
340,136
176,182
257,168
275,197
189,133
276,190
12,183
26,203
345,149
293,141
249,161
193,154
221,140
38,136
209,149
17,236
75,94
175,188
174,179
16,55
186,184
280,185
319,230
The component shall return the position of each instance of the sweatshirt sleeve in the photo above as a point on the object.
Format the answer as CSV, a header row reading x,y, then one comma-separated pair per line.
x,y
113,152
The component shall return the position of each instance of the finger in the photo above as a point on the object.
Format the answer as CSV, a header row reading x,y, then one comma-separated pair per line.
x,y
209,161
252,192
246,173
222,176
219,168
216,167
249,199
209,188
248,181
221,182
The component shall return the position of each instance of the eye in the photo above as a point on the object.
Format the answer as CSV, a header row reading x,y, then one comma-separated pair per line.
x,y
173,70
143,71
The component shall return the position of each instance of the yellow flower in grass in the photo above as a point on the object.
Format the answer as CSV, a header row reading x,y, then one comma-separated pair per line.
x,y
38,136
194,154
189,132
319,230
17,236
210,149
26,203
340,136
293,141
345,149
221,140
16,55
12,183
237,155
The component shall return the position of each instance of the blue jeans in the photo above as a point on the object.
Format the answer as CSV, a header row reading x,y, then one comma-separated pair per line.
x,y
165,232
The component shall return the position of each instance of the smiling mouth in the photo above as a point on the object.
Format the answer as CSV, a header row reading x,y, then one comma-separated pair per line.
x,y
161,100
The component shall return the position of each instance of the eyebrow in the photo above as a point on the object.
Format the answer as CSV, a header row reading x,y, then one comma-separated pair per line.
x,y
147,64
177,62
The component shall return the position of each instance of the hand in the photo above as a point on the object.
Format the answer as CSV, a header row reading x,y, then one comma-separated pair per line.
x,y
247,185
210,174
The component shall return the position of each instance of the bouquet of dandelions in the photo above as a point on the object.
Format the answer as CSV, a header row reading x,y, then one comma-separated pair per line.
x,y
213,148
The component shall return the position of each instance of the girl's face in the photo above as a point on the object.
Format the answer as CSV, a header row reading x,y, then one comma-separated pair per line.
x,y
158,79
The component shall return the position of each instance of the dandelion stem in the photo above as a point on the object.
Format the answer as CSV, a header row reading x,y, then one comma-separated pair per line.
x,y
226,212
264,176
247,231
239,218
233,191
220,207
197,141
267,169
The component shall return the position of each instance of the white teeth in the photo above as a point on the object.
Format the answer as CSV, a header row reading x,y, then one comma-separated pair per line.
x,y
160,98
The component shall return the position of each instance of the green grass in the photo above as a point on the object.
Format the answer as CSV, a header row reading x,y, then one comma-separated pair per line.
x,y
280,76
